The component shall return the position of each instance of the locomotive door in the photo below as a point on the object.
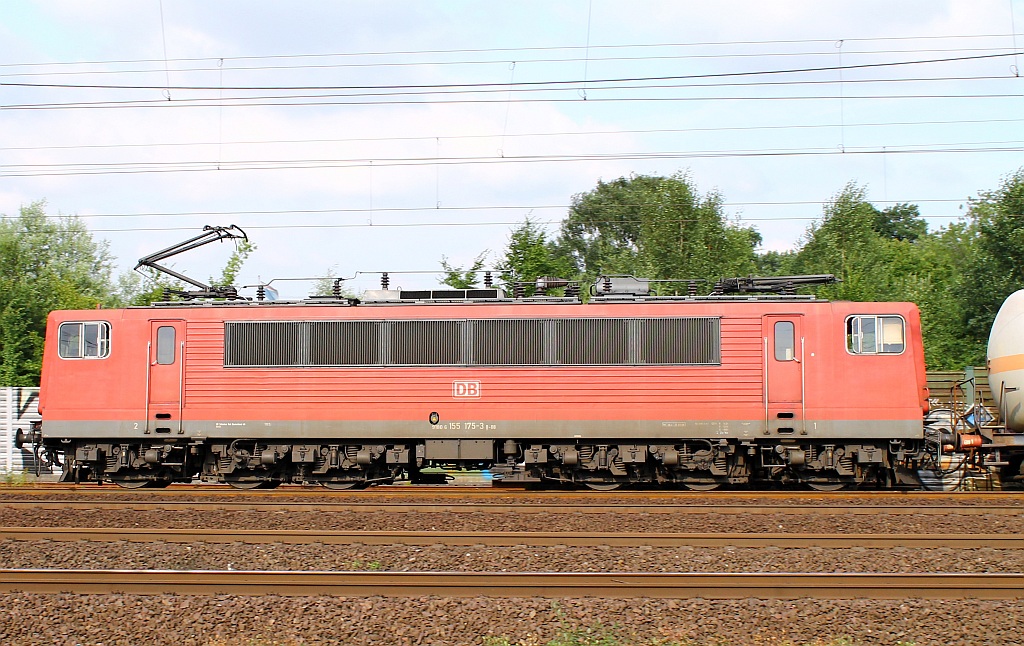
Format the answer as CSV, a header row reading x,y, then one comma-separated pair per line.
x,y
783,373
165,376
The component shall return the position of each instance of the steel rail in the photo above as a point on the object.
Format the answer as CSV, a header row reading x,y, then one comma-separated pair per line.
x,y
503,584
463,507
505,539
488,491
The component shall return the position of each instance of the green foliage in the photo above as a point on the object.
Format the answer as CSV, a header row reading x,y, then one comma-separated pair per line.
x,y
847,243
458,278
656,227
530,255
229,274
995,267
45,264
51,264
14,479
890,256
359,564
594,635
325,286
900,222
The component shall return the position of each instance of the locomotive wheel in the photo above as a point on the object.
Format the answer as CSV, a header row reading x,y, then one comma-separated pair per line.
x,y
131,484
603,486
344,485
245,484
827,486
702,486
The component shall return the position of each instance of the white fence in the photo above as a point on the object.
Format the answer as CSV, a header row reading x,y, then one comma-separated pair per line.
x,y
19,407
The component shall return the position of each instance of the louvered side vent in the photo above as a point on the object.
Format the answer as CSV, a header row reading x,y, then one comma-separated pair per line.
x,y
688,341
426,343
592,342
488,342
264,343
508,342
344,343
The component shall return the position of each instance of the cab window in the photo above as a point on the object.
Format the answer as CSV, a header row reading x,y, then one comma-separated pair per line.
x,y
785,341
870,334
84,340
165,345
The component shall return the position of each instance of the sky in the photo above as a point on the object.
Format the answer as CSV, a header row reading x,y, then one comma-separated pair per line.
x,y
350,137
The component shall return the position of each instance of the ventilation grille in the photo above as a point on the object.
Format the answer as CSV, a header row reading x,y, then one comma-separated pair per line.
x,y
497,342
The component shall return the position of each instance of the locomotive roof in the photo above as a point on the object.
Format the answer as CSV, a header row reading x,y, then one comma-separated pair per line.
x,y
608,288
534,300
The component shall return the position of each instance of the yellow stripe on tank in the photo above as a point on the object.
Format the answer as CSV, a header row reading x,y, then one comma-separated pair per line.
x,y
1006,364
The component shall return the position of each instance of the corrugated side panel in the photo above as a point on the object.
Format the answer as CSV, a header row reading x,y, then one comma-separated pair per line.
x,y
19,407
210,386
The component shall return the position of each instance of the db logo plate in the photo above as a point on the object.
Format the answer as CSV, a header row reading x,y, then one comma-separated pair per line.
x,y
466,389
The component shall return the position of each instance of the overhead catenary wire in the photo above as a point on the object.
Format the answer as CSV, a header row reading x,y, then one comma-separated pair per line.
x,y
521,50
581,133
476,224
533,61
505,85
291,102
125,168
434,209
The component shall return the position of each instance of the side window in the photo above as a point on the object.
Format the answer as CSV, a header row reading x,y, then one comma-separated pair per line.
x,y
875,335
785,341
165,345
84,340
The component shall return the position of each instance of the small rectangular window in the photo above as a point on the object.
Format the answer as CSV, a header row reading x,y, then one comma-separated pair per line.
x,y
785,341
84,340
875,335
165,345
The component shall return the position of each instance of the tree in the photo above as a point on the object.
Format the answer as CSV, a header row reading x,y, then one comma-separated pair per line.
x,y
229,274
870,251
530,255
995,268
890,256
459,278
45,264
656,227
900,222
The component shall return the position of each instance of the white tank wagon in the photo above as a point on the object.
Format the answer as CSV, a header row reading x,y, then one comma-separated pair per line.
x,y
1006,361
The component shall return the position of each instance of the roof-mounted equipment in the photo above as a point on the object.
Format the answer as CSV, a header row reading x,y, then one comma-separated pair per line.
x,y
210,234
627,286
783,285
542,284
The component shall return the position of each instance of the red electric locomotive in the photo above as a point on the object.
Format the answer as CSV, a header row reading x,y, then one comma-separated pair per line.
x,y
730,388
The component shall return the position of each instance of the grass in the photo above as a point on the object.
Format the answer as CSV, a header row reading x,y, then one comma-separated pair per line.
x,y
375,566
15,479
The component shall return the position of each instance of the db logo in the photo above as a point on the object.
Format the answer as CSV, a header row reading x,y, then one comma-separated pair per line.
x,y
466,389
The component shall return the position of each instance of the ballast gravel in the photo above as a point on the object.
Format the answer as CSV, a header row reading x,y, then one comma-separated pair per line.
x,y
455,520
228,620
126,620
441,558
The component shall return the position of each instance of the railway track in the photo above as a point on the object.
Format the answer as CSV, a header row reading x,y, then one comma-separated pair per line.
x,y
468,507
529,539
501,584
489,492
